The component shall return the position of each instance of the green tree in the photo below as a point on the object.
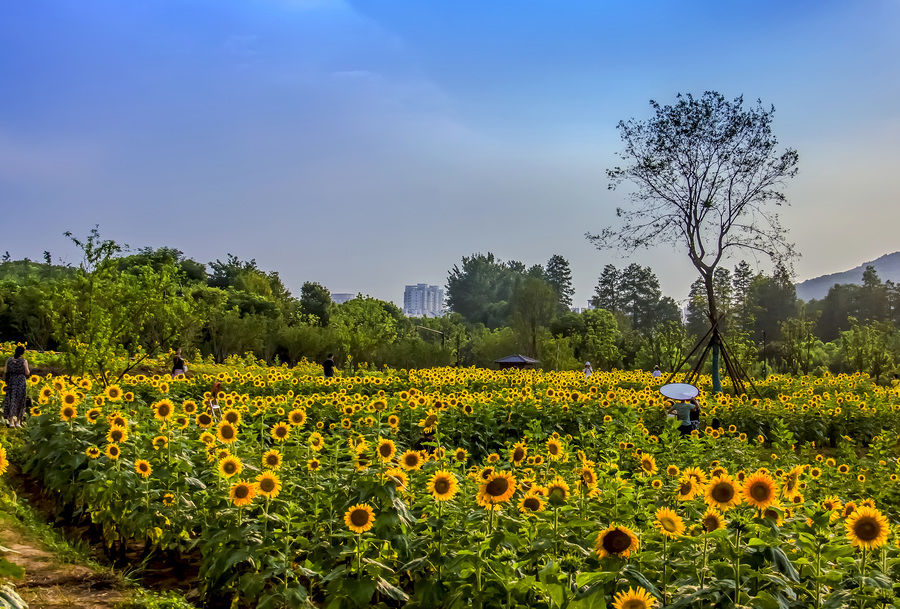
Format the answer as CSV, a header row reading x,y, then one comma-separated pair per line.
x,y
606,294
705,173
102,315
534,305
315,303
560,277
363,324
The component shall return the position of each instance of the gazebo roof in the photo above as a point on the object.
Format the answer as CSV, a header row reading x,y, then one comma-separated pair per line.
x,y
516,359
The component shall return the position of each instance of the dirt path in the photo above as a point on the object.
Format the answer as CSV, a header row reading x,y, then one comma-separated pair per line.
x,y
51,584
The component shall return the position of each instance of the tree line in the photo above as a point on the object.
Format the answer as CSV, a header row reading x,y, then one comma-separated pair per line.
x,y
117,305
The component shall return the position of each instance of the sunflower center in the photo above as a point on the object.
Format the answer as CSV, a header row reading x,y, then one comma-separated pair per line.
x,y
867,529
616,541
760,492
686,487
518,454
723,492
411,460
242,491
267,485
227,432
385,450
271,461
229,467
441,486
497,487
710,523
359,518
553,449
281,432
164,410
532,503
634,603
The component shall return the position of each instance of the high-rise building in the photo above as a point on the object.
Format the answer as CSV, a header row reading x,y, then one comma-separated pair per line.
x,y
338,298
423,300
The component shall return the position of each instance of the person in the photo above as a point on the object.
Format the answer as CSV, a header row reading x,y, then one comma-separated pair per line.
x,y
588,371
683,410
328,366
17,373
656,371
695,415
179,367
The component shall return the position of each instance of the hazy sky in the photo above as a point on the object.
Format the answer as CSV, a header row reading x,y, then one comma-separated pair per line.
x,y
370,145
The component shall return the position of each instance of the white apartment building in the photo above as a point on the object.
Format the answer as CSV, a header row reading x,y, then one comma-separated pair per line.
x,y
423,300
339,298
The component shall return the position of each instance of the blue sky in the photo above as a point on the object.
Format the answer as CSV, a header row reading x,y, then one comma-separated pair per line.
x,y
369,145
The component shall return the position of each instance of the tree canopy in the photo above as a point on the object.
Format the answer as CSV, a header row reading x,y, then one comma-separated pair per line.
x,y
705,174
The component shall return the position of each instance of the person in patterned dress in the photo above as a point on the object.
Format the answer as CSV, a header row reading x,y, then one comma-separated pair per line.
x,y
17,374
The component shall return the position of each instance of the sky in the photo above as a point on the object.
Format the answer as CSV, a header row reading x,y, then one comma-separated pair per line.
x,y
367,145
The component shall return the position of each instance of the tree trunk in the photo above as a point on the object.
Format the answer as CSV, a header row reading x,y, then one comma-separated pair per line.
x,y
713,319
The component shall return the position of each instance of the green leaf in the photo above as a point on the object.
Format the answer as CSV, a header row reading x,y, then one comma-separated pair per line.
x,y
392,591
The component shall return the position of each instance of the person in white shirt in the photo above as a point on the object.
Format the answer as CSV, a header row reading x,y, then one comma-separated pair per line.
x,y
588,371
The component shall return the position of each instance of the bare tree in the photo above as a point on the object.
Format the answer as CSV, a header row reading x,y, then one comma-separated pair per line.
x,y
705,174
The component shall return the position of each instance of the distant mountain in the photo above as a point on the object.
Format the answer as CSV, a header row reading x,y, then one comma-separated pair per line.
x,y
887,267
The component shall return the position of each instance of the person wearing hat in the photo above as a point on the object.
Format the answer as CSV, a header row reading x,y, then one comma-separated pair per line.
x,y
588,371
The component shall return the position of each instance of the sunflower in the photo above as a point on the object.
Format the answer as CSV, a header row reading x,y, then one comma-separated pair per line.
x,y
461,455
143,468
117,419
297,417
411,460
697,474
46,392
555,449
93,452
669,523
232,416
272,459
843,469
316,441
518,453
163,410
226,433
67,413
189,407
429,423
241,493
313,465
791,485
204,420
113,393
867,528
587,476
117,434
386,449
112,451
673,471
760,490
687,489
616,541
280,432
230,466
268,484
168,500
722,493
634,599
93,415
359,518
531,503
498,488
648,464
442,486
207,438
393,421
712,521
557,491
398,477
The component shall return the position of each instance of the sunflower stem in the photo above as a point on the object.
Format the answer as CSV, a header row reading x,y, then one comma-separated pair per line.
x,y
737,565
665,580
862,577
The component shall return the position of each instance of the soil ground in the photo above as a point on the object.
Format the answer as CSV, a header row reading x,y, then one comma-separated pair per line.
x,y
49,583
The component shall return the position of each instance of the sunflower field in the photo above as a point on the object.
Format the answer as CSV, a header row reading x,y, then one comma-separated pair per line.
x,y
455,487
